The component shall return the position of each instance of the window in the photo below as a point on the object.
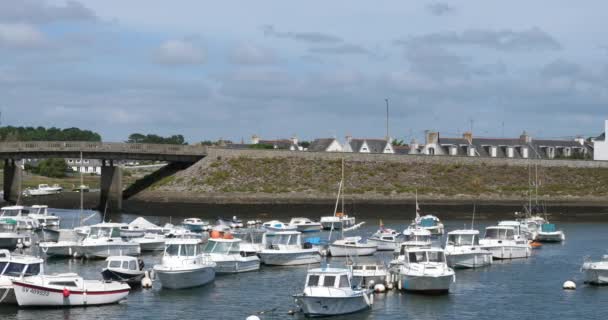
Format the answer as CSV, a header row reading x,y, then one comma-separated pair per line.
x,y
188,250
313,281
63,283
417,257
435,256
132,265
293,240
453,239
172,250
329,281
33,270
14,269
357,267
2,265
344,281
125,265
431,151
114,264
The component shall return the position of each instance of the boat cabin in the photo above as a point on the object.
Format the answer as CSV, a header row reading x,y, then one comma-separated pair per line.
x,y
328,278
428,222
105,230
194,221
367,269
516,225
124,263
500,233
430,255
283,239
274,224
11,211
222,246
548,227
12,265
8,225
463,238
40,209
301,221
182,248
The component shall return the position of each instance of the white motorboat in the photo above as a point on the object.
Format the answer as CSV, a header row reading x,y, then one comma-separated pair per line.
x,y
351,246
66,245
253,240
15,267
182,233
23,222
151,242
548,233
276,225
521,228
43,190
195,224
305,225
414,238
286,249
462,250
504,243
423,270
68,289
596,272
386,239
337,222
184,266
104,240
43,217
228,257
127,231
145,225
124,269
233,223
430,223
367,274
9,237
328,292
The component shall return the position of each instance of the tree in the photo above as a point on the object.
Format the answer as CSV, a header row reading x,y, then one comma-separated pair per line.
x,y
53,167
398,143
136,138
10,133
153,138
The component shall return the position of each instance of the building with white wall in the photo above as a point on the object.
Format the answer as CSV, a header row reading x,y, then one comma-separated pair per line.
x,y
600,145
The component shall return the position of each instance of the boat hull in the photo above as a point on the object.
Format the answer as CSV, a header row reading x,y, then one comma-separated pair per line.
x,y
595,275
426,283
508,252
330,306
7,295
103,251
50,235
132,279
151,245
59,250
343,251
309,228
34,295
277,258
550,237
9,243
384,245
182,279
468,260
236,266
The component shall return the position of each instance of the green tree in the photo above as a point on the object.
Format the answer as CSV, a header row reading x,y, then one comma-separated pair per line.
x,y
153,138
53,167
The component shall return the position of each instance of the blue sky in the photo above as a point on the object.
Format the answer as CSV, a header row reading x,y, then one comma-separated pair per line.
x,y
230,69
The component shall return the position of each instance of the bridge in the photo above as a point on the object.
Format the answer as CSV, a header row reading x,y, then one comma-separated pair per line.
x,y
179,157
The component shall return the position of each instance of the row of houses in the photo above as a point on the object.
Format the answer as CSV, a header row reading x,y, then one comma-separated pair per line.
x,y
522,147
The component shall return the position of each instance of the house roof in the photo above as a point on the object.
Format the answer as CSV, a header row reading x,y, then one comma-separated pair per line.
x,y
320,144
601,137
401,149
279,144
376,145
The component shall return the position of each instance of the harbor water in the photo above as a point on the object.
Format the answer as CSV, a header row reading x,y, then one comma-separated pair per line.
x,y
518,289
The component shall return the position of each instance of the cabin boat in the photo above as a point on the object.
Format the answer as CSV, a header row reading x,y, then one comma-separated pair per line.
x,y
285,249
146,226
151,242
228,257
67,290
351,246
104,240
337,221
328,292
45,220
253,240
430,223
124,269
521,228
596,273
195,224
184,266
81,188
385,239
9,237
423,270
233,223
365,273
462,250
548,233
305,225
23,222
43,190
15,267
505,243
66,245
276,225
414,238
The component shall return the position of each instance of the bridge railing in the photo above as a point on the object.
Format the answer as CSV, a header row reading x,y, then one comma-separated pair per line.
x,y
110,147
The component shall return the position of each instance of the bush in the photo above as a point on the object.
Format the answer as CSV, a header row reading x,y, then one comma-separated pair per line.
x,y
53,168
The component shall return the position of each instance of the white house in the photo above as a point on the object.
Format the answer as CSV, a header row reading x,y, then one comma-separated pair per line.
x,y
325,145
368,145
600,145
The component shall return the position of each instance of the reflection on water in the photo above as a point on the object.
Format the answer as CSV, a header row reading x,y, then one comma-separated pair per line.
x,y
518,289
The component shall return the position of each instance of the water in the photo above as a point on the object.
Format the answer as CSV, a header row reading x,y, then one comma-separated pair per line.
x,y
518,289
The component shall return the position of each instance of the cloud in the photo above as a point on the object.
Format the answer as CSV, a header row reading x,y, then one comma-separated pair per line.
x,y
39,11
533,39
345,48
249,54
310,37
180,52
440,9
21,36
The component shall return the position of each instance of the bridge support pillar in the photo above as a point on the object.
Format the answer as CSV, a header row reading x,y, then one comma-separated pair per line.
x,y
12,180
111,187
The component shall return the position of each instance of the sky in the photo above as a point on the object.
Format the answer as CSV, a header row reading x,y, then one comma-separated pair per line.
x,y
230,69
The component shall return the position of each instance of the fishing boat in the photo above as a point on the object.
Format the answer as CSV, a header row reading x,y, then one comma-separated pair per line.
x,y
462,250
43,190
9,237
66,290
82,188
305,225
430,223
423,270
15,267
184,266
548,233
351,246
104,240
276,225
23,221
328,292
339,220
386,239
195,224
285,249
367,274
226,253
124,269
505,243
43,217
596,272
521,228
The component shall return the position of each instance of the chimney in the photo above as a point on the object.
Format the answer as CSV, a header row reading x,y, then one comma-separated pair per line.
x,y
580,140
432,137
468,136
525,138
348,138
255,139
294,139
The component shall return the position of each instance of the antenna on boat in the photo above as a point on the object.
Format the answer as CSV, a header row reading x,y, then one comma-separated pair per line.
x,y
417,207
342,179
81,189
473,220
20,182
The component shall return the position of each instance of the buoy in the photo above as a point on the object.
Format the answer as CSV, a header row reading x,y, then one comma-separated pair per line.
x,y
253,318
379,288
569,285
66,292
146,282
536,244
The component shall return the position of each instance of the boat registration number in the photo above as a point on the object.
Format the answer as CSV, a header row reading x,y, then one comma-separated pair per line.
x,y
35,291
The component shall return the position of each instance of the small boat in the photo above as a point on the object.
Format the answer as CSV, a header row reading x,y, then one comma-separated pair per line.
x,y
414,238
43,190
252,240
548,233
184,266
423,270
328,292
67,289
151,242
195,224
305,225
521,228
276,225
462,250
351,246
365,273
145,226
236,223
505,243
596,272
179,232
9,237
65,247
45,219
124,269
82,188
228,257
385,238
430,223
15,267
286,249
23,221
337,222
104,240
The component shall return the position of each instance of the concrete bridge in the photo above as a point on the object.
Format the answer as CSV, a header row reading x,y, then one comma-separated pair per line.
x,y
112,193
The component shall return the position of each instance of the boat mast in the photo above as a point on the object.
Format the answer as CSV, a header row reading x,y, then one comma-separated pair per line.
x,y
342,180
536,181
473,220
20,182
81,190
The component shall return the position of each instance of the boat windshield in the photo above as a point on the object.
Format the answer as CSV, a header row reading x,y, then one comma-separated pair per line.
x,y
10,213
2,265
418,238
426,256
285,239
15,269
221,247
499,234
313,281
176,250
104,232
463,240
